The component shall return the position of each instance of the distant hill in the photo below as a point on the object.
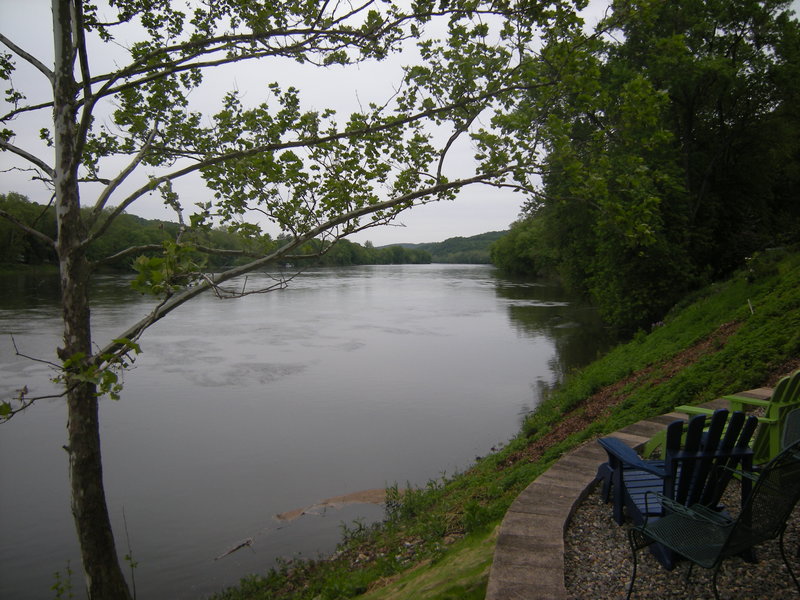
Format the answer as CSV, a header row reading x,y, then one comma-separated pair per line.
x,y
461,250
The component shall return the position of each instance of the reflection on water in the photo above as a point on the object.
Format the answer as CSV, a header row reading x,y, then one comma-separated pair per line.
x,y
237,411
575,328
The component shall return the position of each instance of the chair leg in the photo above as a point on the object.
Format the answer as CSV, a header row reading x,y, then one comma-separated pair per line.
x,y
604,475
689,572
634,548
618,496
637,540
714,581
786,561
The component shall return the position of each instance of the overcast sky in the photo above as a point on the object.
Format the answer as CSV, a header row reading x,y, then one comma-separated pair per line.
x,y
478,209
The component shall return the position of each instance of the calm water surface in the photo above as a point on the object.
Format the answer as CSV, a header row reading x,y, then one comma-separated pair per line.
x,y
238,410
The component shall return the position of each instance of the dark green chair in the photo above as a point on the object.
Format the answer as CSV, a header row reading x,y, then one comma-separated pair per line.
x,y
687,474
707,537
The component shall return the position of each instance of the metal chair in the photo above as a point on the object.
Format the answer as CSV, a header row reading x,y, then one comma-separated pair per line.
x,y
688,473
706,537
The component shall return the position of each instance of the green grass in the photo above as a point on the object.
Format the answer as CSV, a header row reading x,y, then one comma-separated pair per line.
x,y
437,544
461,575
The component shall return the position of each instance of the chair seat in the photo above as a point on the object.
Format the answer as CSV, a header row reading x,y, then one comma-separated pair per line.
x,y
686,536
705,537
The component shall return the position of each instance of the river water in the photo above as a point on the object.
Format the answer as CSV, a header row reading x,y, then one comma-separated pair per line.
x,y
238,410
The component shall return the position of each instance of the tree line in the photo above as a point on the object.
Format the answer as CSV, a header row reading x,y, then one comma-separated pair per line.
x,y
462,250
672,150
129,231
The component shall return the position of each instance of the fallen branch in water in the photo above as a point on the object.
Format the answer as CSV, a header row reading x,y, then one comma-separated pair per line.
x,y
376,496
246,542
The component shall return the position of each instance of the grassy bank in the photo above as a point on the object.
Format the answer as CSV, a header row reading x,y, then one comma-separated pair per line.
x,y
437,542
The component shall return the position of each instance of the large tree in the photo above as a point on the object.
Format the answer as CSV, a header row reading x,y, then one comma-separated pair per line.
x,y
673,152
113,137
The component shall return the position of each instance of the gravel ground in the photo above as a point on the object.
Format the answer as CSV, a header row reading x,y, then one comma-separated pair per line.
x,y
598,563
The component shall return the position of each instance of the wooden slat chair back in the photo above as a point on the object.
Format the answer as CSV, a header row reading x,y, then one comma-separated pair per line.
x,y
791,428
690,472
768,441
706,537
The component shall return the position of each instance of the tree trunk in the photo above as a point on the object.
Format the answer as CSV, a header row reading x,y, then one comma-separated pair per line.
x,y
104,578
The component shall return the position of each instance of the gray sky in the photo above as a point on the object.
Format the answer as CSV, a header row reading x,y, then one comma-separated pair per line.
x,y
478,208
27,23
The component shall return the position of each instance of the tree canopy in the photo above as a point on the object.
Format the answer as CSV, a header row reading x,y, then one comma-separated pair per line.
x,y
672,153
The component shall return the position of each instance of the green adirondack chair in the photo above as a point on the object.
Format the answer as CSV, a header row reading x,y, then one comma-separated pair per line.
x,y
706,537
769,438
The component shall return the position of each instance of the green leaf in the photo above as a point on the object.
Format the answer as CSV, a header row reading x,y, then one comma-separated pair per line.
x,y
130,345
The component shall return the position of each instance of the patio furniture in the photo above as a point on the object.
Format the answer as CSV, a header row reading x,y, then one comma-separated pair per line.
x,y
768,441
688,474
706,537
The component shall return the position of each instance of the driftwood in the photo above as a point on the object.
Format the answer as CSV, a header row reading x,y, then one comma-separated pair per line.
x,y
377,496
245,542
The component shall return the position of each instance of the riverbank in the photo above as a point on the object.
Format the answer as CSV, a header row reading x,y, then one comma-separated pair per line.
x,y
734,335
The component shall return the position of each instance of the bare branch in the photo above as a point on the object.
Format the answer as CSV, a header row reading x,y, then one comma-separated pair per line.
x,y
24,403
40,360
279,283
128,251
18,111
123,175
102,180
7,410
28,57
37,174
29,157
27,229
83,60
456,134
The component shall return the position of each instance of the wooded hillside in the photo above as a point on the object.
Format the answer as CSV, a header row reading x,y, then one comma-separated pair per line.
x,y
461,250
148,236
673,153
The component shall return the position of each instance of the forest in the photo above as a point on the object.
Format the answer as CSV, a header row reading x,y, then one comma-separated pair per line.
x,y
474,249
129,231
673,155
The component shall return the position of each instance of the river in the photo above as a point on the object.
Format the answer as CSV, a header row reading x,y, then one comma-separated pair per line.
x,y
238,410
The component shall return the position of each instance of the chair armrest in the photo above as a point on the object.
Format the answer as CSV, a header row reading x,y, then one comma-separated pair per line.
x,y
699,410
737,402
738,472
698,512
693,410
627,456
